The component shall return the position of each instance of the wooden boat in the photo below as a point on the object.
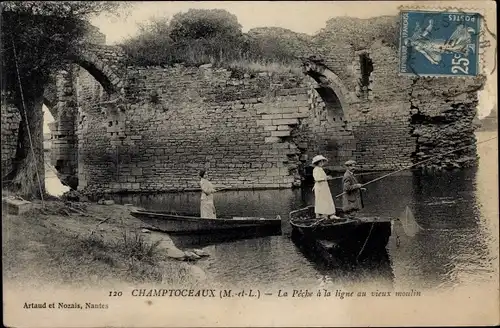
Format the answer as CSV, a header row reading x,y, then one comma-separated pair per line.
x,y
173,222
351,234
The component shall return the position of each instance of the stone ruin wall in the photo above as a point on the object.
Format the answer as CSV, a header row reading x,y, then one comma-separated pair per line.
x,y
393,121
441,115
259,130
370,124
255,131
179,120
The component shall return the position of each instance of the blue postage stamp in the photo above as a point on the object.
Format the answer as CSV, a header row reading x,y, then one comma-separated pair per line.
x,y
436,43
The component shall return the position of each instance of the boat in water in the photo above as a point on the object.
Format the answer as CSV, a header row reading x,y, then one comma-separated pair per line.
x,y
189,223
351,234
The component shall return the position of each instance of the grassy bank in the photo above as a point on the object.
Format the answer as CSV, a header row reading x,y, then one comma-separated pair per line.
x,y
101,246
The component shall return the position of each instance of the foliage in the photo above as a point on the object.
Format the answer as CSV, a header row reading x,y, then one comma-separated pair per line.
x,y
361,33
279,44
202,36
71,256
135,246
199,23
38,37
80,9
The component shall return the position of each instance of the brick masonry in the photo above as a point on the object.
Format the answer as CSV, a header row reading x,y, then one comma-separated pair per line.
x,y
179,120
153,128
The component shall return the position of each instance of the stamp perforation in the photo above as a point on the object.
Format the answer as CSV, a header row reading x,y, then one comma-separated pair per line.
x,y
441,9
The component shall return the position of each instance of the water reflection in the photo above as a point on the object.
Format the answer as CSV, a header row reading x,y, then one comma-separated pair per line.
x,y
445,207
204,240
373,267
458,244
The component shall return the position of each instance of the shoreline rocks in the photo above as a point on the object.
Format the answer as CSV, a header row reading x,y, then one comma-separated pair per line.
x,y
167,245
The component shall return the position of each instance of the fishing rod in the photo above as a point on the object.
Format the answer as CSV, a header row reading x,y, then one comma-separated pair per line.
x,y
418,163
228,187
360,174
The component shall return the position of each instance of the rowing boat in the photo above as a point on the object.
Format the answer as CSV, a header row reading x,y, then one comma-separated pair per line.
x,y
180,223
350,234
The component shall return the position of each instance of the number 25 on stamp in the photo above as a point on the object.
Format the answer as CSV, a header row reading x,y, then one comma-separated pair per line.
x,y
439,43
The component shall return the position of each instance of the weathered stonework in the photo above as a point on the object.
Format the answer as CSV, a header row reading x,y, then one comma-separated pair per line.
x,y
97,76
371,126
179,120
445,124
152,128
63,138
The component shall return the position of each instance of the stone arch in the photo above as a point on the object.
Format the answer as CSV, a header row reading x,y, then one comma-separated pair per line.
x,y
50,98
329,121
100,70
104,64
51,105
327,79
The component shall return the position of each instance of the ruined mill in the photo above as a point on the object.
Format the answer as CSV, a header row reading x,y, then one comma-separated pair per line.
x,y
120,127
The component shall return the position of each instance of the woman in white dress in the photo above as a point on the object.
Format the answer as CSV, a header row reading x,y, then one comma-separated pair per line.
x,y
207,207
324,207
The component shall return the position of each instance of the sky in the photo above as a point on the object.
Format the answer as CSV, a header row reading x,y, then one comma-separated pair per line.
x,y
299,16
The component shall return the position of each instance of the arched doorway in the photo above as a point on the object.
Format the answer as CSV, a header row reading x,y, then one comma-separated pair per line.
x,y
329,121
53,184
82,84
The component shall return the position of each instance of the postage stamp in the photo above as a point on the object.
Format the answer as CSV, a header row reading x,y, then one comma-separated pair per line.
x,y
437,43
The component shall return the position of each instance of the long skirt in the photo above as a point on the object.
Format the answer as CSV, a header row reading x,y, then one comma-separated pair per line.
x,y
207,209
323,203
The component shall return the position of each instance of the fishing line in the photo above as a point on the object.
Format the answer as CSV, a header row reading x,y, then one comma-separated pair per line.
x,y
421,162
228,187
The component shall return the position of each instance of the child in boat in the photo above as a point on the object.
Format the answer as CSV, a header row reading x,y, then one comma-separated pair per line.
x,y
207,207
352,200
324,207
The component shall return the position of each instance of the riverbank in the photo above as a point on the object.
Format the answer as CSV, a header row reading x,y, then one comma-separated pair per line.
x,y
83,244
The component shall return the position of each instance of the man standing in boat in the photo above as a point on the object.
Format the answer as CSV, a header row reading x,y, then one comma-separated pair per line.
x,y
207,207
352,200
324,207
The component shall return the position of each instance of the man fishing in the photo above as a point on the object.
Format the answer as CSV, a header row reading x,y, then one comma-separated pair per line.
x,y
352,200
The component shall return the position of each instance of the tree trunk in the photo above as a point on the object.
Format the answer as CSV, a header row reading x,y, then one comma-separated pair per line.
x,y
29,169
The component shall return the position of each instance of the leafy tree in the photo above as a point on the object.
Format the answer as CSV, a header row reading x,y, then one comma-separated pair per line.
x,y
204,24
194,37
153,46
199,36
38,37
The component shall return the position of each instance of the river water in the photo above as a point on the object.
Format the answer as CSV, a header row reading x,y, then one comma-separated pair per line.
x,y
458,245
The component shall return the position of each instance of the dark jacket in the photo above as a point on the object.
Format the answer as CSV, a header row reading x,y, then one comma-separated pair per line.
x,y
351,199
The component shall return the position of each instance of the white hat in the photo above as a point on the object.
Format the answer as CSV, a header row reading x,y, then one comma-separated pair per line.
x,y
318,158
350,162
